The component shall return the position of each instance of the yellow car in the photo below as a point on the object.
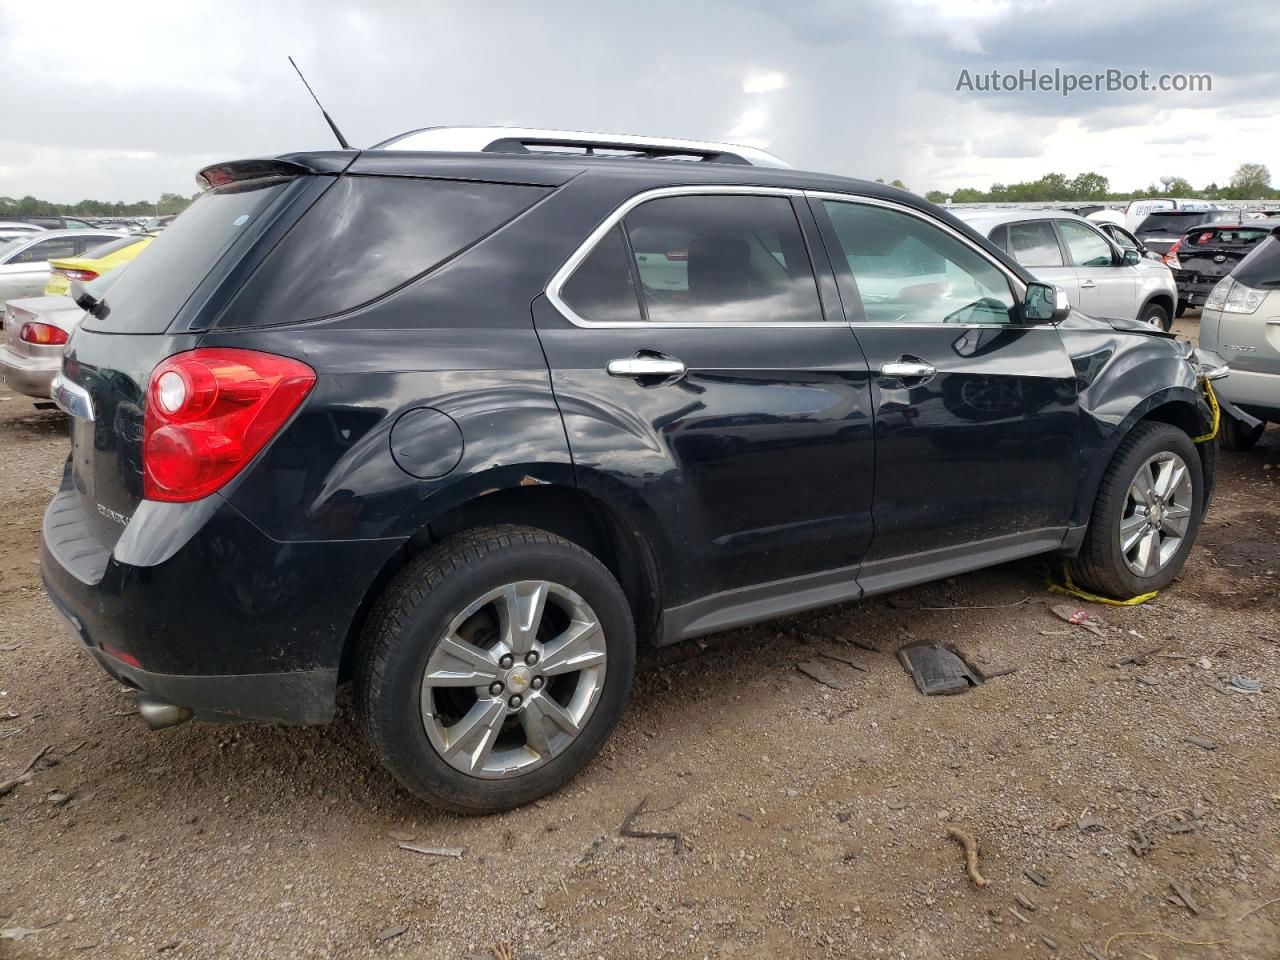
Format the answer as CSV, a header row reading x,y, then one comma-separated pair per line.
x,y
94,263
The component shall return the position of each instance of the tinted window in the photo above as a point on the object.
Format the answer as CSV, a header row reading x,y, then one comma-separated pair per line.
x,y
602,288
910,271
146,297
106,249
1034,244
1087,247
1227,236
1180,221
365,237
726,259
50,249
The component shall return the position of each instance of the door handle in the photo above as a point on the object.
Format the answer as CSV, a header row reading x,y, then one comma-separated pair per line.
x,y
1087,285
906,370
666,367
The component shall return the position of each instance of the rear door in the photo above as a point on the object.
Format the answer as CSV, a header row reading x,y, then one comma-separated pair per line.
x,y
704,378
976,415
1035,245
1108,286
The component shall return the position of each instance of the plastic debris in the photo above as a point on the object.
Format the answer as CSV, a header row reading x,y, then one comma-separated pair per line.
x,y
936,670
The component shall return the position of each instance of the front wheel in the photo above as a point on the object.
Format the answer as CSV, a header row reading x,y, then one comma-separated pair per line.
x,y
1157,316
1146,515
494,668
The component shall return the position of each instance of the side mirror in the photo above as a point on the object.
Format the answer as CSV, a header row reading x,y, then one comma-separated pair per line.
x,y
1132,258
1045,303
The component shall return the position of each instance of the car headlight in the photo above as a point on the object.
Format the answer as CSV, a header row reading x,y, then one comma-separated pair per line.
x,y
1230,296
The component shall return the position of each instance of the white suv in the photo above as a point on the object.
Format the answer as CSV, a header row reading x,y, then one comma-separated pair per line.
x,y
1240,327
1099,277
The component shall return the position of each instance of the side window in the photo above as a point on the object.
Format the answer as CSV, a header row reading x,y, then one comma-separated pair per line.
x,y
1034,244
721,258
1086,246
1000,237
601,289
910,271
50,249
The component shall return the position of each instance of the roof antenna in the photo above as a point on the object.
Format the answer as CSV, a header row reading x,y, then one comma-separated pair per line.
x,y
328,119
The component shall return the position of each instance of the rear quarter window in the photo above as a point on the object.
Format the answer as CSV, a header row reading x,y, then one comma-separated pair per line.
x,y
1261,268
367,236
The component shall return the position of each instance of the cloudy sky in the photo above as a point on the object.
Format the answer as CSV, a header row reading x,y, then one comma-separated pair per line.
x,y
125,100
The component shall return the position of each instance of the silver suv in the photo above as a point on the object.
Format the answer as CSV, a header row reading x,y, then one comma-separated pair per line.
x,y
1240,327
1099,277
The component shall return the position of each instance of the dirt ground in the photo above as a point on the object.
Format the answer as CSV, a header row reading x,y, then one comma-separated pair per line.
x,y
814,820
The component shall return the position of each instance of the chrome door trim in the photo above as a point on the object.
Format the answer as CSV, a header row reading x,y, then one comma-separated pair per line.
x,y
562,275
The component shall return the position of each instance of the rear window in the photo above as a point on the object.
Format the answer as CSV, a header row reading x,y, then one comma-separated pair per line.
x,y
1180,221
146,297
366,237
106,249
1231,236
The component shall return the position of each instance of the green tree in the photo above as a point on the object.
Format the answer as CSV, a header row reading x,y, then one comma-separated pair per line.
x,y
1089,186
1250,181
936,196
1180,187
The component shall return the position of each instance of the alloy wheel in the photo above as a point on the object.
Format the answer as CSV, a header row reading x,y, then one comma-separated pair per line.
x,y
1157,514
514,680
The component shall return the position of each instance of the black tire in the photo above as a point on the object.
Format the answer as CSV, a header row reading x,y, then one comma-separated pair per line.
x,y
409,620
1235,434
1182,308
1156,315
1100,565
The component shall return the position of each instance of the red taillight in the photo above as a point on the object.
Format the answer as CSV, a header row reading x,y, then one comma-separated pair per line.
x,y
42,334
1171,255
84,276
209,412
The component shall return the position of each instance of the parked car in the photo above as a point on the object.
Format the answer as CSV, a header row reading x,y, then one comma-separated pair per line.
x,y
1162,229
49,222
95,262
469,449
1099,277
35,333
1240,328
1205,255
24,261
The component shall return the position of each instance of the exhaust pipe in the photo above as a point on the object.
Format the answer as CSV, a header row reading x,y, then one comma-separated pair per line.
x,y
160,713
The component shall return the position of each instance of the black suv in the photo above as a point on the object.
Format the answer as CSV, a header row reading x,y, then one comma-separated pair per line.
x,y
464,427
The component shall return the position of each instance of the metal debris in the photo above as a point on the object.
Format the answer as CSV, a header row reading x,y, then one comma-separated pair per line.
x,y
433,851
1185,896
1201,742
1024,902
1140,656
1078,617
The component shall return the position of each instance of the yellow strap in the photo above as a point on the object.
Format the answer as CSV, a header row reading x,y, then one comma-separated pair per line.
x,y
1212,399
1071,590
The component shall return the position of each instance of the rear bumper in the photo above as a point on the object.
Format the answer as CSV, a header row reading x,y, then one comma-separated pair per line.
x,y
28,375
1257,393
1192,289
230,623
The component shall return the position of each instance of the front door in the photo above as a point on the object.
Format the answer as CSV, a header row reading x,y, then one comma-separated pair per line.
x,y
1108,286
975,410
705,379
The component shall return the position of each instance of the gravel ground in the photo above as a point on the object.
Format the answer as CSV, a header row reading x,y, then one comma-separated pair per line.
x,y
814,820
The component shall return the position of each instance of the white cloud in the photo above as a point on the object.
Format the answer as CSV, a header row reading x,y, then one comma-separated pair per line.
x,y
764,81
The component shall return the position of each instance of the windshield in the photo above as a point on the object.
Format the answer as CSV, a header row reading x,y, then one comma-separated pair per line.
x,y
161,279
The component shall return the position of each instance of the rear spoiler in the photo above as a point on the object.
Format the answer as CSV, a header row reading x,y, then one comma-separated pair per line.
x,y
289,165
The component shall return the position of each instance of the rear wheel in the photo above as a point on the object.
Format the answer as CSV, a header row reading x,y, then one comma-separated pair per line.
x,y
1157,316
494,668
1235,434
1146,515
1183,306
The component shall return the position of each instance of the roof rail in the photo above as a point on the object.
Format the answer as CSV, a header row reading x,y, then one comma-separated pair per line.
x,y
526,140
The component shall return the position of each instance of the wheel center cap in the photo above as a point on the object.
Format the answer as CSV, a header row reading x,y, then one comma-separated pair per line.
x,y
518,679
1157,515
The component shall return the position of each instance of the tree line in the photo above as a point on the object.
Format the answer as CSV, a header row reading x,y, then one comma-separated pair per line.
x,y
33,207
1251,181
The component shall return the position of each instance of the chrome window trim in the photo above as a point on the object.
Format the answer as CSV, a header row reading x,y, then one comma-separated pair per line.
x,y
584,250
